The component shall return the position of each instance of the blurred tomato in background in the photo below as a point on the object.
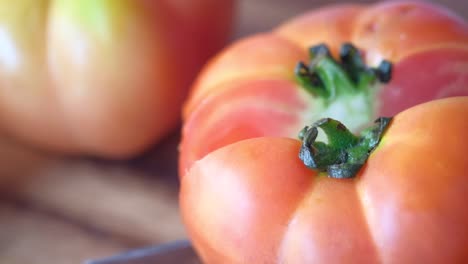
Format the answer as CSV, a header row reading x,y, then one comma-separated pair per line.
x,y
105,78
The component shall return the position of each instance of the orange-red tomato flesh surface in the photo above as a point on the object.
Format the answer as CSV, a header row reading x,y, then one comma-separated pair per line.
x,y
246,197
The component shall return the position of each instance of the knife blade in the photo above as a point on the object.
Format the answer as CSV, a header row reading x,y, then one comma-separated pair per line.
x,y
180,252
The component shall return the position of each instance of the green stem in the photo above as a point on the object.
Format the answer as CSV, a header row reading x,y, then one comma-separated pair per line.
x,y
345,153
328,78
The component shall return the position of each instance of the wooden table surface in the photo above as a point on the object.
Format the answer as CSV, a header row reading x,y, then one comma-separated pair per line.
x,y
65,210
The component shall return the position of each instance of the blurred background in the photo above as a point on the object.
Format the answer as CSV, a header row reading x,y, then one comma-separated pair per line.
x,y
59,209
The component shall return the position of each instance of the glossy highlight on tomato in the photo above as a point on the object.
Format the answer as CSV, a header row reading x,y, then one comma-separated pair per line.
x,y
105,78
246,197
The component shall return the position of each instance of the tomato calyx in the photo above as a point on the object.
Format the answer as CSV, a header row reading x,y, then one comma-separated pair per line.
x,y
328,78
345,153
345,89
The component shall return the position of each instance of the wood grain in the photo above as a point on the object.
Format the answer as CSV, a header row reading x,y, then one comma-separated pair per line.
x,y
71,209
29,235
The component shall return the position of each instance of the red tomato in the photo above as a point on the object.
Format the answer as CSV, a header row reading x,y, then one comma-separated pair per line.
x,y
250,90
102,77
255,202
246,197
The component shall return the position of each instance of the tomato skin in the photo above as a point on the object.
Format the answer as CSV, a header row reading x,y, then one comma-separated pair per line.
x,y
245,195
416,198
391,30
272,56
449,79
253,201
104,78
